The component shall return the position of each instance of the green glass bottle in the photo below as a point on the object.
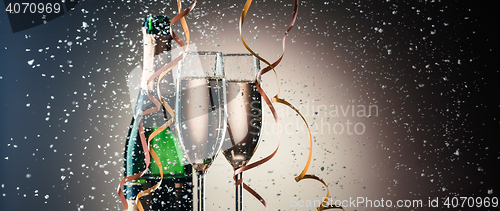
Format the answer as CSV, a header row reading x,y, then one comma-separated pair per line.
x,y
175,192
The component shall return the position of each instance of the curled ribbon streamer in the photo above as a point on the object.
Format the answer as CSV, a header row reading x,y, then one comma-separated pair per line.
x,y
160,73
303,174
276,98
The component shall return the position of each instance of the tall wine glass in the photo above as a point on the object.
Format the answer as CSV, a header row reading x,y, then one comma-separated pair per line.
x,y
201,112
244,113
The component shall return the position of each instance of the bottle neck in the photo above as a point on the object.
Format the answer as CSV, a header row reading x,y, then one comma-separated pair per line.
x,y
155,56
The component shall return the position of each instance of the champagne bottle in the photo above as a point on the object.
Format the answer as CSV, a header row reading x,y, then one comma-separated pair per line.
x,y
175,192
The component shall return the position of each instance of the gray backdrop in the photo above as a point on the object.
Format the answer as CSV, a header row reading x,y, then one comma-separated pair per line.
x,y
426,69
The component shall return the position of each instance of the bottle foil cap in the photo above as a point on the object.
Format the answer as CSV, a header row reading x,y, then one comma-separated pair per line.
x,y
157,25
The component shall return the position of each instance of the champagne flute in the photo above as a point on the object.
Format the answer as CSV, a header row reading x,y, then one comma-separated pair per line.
x,y
200,109
244,114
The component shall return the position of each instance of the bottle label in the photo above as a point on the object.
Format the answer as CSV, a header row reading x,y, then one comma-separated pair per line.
x,y
171,156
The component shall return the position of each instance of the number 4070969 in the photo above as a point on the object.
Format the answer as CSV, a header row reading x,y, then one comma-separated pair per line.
x,y
470,202
16,8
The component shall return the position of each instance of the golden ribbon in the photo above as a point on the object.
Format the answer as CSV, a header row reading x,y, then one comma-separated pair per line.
x,y
164,70
269,102
147,148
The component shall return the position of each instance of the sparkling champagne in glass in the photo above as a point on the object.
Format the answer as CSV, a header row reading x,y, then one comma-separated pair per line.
x,y
244,113
200,118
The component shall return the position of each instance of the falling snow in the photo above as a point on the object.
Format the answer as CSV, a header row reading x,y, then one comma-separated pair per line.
x,y
427,66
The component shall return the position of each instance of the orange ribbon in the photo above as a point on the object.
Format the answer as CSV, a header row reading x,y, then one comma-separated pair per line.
x,y
269,102
147,148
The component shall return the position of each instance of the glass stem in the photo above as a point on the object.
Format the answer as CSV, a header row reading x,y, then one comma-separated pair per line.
x,y
200,178
239,193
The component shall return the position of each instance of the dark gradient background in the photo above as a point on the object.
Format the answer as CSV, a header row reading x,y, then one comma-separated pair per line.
x,y
429,67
